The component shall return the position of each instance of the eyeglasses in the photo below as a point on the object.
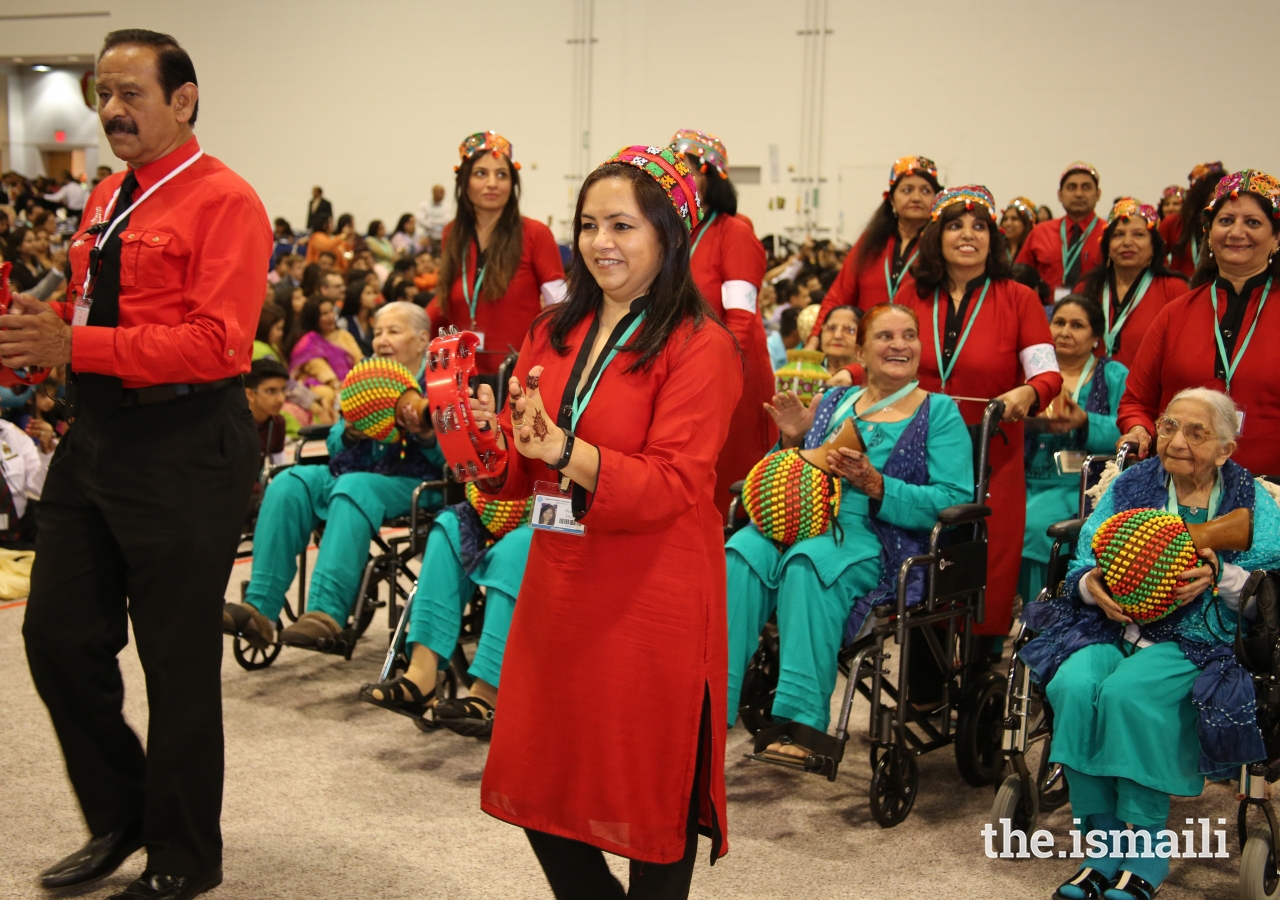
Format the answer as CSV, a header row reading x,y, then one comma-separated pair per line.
x,y
1194,432
849,330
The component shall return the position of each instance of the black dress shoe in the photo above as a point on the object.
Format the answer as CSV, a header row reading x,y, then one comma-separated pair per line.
x,y
152,886
96,859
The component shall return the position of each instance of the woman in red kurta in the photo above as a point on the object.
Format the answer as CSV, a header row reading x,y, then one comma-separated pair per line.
x,y
990,336
1184,233
500,268
875,268
1223,334
621,399
1134,284
728,263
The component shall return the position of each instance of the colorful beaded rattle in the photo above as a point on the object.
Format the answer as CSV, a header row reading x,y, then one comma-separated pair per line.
x,y
14,377
499,517
370,394
470,452
1143,552
791,494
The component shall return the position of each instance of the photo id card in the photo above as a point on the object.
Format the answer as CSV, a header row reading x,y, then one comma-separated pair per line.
x,y
1070,462
553,510
479,337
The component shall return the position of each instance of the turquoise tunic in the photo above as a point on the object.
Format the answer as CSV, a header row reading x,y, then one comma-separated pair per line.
x,y
353,507
444,588
1055,498
814,584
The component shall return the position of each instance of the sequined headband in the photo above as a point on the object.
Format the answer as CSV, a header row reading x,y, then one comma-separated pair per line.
x,y
1173,190
707,147
1079,167
969,195
1248,181
486,140
1128,207
1025,206
1205,168
911,165
672,174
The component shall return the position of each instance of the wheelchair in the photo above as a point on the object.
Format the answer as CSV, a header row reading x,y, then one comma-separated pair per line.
x,y
1028,719
955,574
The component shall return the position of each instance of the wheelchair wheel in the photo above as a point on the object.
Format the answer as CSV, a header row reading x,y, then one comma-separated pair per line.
x,y
760,684
1051,781
1010,804
250,658
1259,879
979,728
895,780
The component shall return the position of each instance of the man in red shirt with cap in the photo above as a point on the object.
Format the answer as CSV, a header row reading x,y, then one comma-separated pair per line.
x,y
1064,250
146,494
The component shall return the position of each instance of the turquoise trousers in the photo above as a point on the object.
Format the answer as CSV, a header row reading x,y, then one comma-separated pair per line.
x,y
444,589
352,506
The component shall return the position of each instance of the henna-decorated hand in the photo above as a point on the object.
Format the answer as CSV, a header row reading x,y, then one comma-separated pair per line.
x,y
537,435
855,468
484,408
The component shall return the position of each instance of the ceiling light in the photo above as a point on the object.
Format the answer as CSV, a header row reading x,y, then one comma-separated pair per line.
x,y
40,69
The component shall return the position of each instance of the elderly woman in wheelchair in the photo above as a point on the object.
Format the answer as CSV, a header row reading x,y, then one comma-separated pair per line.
x,y
917,460
1146,707
364,483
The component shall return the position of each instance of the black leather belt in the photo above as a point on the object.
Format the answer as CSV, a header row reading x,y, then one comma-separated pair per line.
x,y
163,393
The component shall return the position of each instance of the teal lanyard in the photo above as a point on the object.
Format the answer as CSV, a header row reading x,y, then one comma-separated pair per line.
x,y
581,400
1070,256
1215,497
1195,252
945,370
473,297
847,404
705,229
894,283
1084,374
1230,367
1113,332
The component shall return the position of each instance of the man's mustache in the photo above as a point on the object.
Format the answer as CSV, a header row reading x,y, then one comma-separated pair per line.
x,y
121,126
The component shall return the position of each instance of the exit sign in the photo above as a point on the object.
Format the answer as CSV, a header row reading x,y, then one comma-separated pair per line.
x,y
60,137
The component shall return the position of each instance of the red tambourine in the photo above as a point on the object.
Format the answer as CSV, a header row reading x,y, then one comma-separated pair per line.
x,y
470,453
14,377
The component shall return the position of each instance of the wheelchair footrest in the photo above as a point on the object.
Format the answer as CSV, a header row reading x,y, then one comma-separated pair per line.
x,y
825,751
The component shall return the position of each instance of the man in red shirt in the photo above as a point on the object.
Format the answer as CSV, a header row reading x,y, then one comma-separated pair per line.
x,y
1064,250
146,494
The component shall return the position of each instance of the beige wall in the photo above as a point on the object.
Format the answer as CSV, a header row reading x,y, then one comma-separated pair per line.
x,y
371,100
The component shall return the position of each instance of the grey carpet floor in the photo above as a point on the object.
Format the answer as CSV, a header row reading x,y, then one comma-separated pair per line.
x,y
327,797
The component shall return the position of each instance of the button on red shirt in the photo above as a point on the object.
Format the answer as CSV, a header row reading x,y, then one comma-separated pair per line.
x,y
193,260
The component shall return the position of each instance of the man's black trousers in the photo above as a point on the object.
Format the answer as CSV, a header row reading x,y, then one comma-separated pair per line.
x,y
140,516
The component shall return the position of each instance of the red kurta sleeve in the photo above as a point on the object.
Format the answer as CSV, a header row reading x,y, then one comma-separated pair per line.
x,y
1035,339
1140,403
645,492
742,258
544,253
223,297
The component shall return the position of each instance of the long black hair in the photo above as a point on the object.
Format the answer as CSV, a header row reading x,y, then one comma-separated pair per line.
x,y
307,320
883,223
1096,280
930,269
403,221
1207,271
501,257
1192,214
719,196
673,296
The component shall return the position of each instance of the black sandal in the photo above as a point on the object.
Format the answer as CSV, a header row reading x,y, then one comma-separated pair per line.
x,y
400,695
1090,881
1132,886
467,716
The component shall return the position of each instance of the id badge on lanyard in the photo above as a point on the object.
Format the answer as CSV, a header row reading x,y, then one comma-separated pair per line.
x,y
553,509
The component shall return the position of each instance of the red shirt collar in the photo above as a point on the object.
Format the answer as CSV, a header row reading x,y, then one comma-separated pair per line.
x,y
1084,226
158,168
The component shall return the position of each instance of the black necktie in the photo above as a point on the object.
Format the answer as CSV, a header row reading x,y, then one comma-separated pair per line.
x,y
100,394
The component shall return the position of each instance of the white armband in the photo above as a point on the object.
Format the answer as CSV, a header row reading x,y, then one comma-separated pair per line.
x,y
554,292
1038,359
739,295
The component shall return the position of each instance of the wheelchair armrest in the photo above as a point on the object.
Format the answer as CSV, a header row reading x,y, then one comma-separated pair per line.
x,y
1066,531
313,432
964,512
735,489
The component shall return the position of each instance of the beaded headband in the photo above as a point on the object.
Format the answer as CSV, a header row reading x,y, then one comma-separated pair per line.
x,y
369,395
1205,168
1128,207
1172,190
1079,166
707,147
1023,205
1248,181
486,140
969,195
672,174
911,165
